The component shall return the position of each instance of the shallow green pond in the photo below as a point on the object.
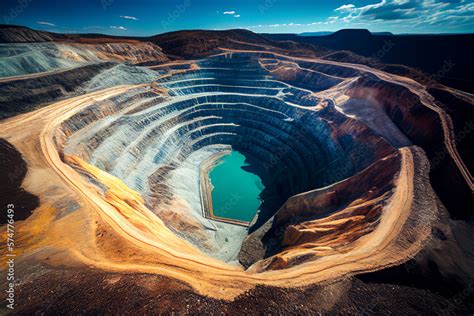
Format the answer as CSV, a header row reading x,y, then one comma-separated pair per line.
x,y
236,191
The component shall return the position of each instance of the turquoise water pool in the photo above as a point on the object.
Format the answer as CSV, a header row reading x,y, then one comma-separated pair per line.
x,y
236,191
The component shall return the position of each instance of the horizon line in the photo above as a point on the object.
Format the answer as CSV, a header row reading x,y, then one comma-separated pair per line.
x,y
240,28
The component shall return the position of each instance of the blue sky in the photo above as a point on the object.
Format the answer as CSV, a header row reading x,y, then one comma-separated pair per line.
x,y
147,17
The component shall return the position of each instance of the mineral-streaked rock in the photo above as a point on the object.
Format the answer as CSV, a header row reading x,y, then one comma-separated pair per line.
x,y
156,145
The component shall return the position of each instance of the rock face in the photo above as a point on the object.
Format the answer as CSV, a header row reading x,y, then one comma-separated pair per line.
x,y
39,73
25,94
30,58
328,178
332,218
422,119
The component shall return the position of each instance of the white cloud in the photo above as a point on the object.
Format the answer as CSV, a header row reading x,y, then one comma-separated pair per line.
x,y
345,8
395,15
237,16
45,23
121,28
128,17
229,12
284,25
413,13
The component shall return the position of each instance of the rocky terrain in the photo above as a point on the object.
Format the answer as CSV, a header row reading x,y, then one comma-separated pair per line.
x,y
446,58
368,185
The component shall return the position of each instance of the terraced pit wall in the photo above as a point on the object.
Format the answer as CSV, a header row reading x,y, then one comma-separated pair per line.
x,y
294,140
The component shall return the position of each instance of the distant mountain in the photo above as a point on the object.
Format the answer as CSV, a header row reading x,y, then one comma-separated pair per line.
x,y
178,44
315,33
325,33
448,58
23,34
344,31
381,33
197,43
350,34
20,34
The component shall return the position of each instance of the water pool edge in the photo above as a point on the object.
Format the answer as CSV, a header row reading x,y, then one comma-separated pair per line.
x,y
206,190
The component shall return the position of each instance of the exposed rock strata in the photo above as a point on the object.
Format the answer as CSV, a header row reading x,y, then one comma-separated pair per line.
x,y
25,94
29,58
331,220
295,147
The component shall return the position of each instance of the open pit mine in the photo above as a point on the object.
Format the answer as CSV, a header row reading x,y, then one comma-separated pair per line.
x,y
208,172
